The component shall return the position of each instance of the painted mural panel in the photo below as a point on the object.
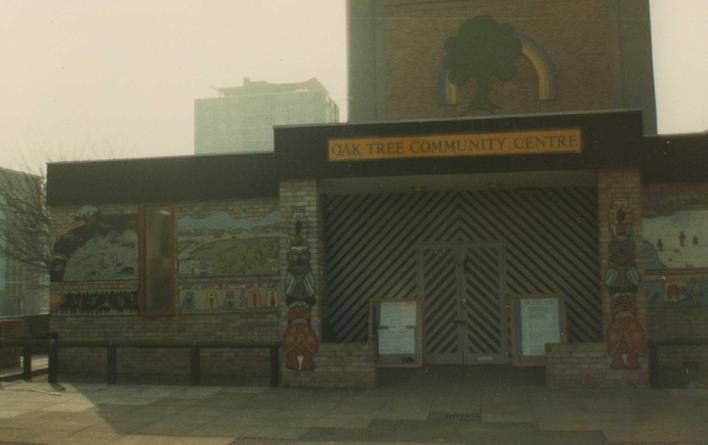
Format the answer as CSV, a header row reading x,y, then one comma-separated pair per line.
x,y
221,245
227,297
674,291
676,259
96,247
95,301
678,241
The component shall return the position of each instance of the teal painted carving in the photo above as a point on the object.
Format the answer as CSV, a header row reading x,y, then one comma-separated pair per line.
x,y
482,49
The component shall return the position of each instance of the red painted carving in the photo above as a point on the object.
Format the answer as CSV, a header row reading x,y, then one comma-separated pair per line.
x,y
299,340
625,336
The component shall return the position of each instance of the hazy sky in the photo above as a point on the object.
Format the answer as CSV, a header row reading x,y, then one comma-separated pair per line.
x,y
83,79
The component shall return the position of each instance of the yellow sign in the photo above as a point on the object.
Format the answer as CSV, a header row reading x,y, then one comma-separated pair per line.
x,y
450,145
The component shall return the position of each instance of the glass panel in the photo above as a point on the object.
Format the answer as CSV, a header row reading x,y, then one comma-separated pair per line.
x,y
159,262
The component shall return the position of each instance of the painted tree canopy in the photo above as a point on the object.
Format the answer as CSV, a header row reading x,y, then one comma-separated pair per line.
x,y
481,49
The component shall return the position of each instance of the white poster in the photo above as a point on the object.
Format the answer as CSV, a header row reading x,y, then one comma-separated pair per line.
x,y
396,331
540,324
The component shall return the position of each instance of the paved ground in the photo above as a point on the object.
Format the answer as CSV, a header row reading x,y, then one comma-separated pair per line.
x,y
489,405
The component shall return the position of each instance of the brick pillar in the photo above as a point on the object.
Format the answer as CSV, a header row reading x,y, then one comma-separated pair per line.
x,y
299,200
620,247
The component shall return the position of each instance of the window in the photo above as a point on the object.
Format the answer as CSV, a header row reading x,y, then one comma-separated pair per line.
x,y
157,259
15,288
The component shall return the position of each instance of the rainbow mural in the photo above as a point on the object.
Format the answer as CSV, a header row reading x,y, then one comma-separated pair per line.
x,y
533,51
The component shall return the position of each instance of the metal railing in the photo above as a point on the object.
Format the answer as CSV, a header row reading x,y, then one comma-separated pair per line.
x,y
54,345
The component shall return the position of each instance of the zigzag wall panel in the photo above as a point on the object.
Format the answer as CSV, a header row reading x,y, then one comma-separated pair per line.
x,y
550,236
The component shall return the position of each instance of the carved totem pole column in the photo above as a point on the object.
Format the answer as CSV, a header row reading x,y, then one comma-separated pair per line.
x,y
299,340
624,314
302,251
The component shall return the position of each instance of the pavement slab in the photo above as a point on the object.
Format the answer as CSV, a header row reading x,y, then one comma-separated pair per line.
x,y
412,408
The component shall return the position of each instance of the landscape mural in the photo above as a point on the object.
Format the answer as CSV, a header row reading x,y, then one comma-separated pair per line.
x,y
221,245
96,247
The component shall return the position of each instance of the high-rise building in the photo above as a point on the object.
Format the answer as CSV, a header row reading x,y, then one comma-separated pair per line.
x,y
241,119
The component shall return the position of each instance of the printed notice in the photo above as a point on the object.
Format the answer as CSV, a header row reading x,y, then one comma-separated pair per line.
x,y
540,324
397,328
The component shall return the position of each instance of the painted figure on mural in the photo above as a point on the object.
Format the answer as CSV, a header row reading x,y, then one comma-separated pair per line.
x,y
299,339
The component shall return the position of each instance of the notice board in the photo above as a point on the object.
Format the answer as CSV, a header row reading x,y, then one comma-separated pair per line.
x,y
536,319
395,332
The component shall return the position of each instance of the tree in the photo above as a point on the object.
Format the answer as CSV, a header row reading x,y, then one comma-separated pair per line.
x,y
481,49
24,239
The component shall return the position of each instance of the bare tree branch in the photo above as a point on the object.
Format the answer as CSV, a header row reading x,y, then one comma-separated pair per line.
x,y
24,220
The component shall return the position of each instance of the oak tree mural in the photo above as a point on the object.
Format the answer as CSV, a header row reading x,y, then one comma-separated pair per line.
x,y
482,49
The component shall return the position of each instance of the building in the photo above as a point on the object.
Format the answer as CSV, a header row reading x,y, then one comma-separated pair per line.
x,y
241,119
569,56
573,240
23,283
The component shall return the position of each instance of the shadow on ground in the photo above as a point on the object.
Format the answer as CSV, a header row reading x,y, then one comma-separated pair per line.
x,y
444,404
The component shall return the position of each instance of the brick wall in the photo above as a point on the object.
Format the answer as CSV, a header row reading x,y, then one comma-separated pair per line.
x,y
582,365
171,365
675,322
586,365
617,185
414,46
681,366
304,194
338,365
677,365
29,326
11,328
601,51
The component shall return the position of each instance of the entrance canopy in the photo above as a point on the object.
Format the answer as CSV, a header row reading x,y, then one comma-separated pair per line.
x,y
489,145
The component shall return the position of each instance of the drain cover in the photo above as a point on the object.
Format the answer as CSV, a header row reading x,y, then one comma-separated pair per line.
x,y
461,417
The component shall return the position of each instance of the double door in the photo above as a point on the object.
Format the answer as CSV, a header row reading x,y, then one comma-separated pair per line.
x,y
463,288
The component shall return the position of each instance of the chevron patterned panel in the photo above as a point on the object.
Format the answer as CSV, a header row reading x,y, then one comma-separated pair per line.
x,y
439,284
550,237
485,332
